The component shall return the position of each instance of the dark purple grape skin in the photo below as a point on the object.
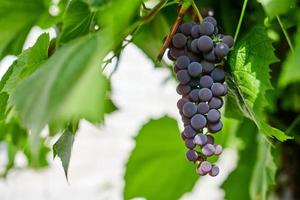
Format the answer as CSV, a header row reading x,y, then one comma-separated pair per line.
x,y
170,56
206,28
198,121
189,109
215,103
194,46
213,116
214,171
221,50
205,94
207,67
194,95
189,143
218,149
210,56
183,76
186,28
205,43
206,81
208,150
183,136
210,139
182,62
183,89
218,75
200,139
194,82
227,39
218,89
195,69
195,32
193,57
203,108
186,121
175,53
210,19
179,40
192,155
205,166
215,127
189,132
181,102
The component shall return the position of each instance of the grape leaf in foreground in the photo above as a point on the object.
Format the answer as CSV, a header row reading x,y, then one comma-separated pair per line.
x,y
249,80
157,167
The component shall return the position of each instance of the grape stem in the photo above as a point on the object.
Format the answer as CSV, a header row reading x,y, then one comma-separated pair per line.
x,y
240,20
197,11
285,34
177,22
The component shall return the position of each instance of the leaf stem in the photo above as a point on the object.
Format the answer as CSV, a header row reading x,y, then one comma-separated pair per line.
x,y
197,11
240,20
285,34
293,124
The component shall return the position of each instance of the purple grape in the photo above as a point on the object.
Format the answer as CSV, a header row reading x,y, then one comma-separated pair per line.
x,y
200,172
195,69
214,171
200,139
198,121
194,46
210,19
189,132
207,67
175,53
170,56
203,108
206,81
189,143
218,89
192,155
210,56
215,103
225,89
189,109
195,31
186,28
194,95
210,139
182,62
206,28
227,39
205,166
183,76
183,136
181,102
179,40
208,150
218,75
215,127
205,44
218,149
213,116
205,94
186,121
176,69
193,57
183,89
221,50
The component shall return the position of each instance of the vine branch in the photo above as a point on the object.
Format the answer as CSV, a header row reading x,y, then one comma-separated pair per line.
x,y
240,20
285,34
197,11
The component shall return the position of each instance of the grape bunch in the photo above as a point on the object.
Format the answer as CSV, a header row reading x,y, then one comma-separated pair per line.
x,y
199,50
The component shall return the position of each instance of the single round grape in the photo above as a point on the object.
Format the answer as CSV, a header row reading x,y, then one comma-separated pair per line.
x,y
210,56
183,89
198,121
189,143
194,95
179,40
186,121
182,62
213,128
218,75
207,67
206,81
205,43
205,94
213,116
203,108
206,28
214,171
208,150
170,56
181,102
218,89
210,139
175,53
195,31
189,109
192,155
186,28
200,139
194,46
218,149
195,69
221,50
194,82
205,166
215,103
200,172
210,19
227,39
183,76
189,132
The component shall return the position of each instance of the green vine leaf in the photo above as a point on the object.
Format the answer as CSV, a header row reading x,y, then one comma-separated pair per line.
x,y
158,160
249,80
276,7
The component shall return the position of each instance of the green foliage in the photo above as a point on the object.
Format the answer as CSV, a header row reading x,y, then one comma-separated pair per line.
x,y
157,160
276,7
